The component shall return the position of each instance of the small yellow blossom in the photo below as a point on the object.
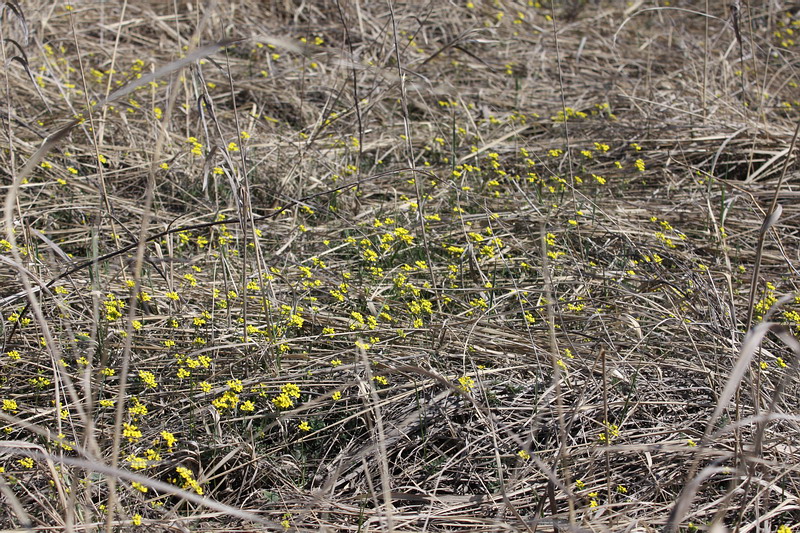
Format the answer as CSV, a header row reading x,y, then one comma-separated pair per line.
x,y
169,438
466,383
283,401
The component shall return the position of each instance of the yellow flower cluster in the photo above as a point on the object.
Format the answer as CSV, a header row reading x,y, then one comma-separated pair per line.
x,y
289,393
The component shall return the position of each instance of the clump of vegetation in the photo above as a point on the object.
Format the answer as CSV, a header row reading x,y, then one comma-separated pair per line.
x,y
492,265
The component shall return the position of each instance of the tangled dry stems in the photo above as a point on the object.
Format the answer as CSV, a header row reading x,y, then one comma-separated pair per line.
x,y
497,317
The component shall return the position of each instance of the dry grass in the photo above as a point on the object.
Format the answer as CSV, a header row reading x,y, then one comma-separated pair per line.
x,y
470,268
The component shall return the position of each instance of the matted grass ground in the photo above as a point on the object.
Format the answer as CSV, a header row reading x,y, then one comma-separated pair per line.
x,y
376,266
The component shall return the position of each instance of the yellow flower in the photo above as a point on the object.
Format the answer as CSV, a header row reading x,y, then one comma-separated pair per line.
x,y
466,383
169,438
148,378
189,481
290,389
283,401
304,426
131,432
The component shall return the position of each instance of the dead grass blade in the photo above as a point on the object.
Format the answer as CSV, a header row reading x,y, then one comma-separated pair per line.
x,y
22,448
22,59
687,495
14,7
748,350
55,138
405,180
